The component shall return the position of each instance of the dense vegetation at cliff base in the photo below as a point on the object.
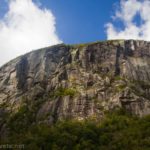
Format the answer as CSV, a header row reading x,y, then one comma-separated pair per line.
x,y
118,131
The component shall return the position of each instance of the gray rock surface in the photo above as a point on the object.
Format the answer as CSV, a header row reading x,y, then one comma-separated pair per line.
x,y
78,81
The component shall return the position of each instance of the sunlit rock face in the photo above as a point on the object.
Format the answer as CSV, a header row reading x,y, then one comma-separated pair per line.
x,y
78,81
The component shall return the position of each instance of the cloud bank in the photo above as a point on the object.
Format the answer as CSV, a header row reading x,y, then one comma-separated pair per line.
x,y
128,12
25,27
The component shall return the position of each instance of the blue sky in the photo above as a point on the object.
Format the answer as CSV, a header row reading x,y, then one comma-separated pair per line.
x,y
27,25
81,21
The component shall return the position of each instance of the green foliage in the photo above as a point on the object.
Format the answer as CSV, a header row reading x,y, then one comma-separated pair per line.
x,y
20,120
25,116
61,92
117,78
140,87
80,46
120,87
118,131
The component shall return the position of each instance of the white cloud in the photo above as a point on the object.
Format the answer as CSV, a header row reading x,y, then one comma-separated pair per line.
x,y
25,27
127,12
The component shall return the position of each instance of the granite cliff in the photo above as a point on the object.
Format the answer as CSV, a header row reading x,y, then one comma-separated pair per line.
x,y
77,81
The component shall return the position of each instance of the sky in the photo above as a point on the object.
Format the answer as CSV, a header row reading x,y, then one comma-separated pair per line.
x,y
26,25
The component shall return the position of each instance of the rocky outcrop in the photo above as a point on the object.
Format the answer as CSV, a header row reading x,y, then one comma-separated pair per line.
x,y
78,81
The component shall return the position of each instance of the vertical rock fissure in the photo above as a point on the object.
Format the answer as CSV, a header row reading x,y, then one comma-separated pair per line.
x,y
117,66
22,71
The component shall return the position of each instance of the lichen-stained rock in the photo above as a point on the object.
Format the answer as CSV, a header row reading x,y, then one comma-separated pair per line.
x,y
78,81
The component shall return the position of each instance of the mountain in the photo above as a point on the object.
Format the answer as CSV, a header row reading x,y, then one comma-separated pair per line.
x,y
78,81
65,82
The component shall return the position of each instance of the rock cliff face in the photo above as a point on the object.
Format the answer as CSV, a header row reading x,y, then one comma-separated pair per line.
x,y
77,81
